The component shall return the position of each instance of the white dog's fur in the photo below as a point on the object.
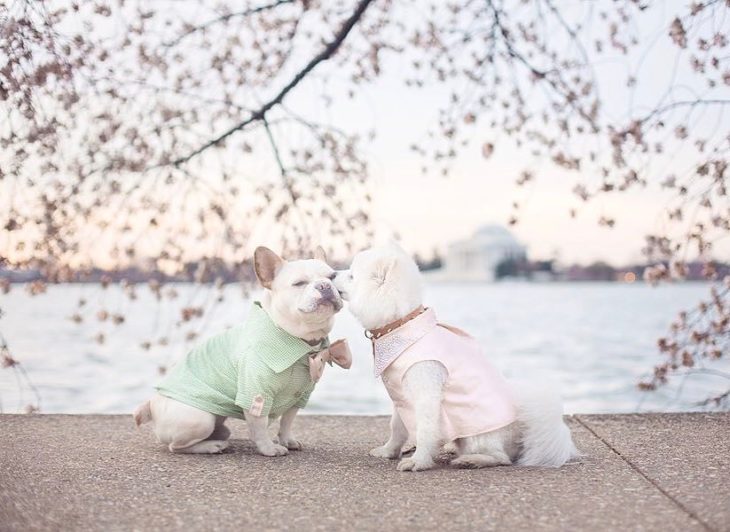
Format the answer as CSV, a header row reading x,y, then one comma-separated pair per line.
x,y
384,285
301,299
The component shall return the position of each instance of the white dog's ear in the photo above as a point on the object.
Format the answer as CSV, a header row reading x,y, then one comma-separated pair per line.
x,y
383,268
266,264
320,254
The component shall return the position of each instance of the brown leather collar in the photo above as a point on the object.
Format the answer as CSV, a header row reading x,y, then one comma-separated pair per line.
x,y
385,329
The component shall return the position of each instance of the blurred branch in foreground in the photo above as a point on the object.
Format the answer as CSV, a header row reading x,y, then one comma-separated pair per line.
x,y
21,376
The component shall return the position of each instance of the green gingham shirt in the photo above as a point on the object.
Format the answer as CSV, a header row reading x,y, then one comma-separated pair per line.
x,y
256,367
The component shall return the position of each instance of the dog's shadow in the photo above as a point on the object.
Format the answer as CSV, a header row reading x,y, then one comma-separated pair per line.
x,y
240,445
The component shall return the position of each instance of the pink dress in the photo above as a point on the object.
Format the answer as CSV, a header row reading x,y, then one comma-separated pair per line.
x,y
476,398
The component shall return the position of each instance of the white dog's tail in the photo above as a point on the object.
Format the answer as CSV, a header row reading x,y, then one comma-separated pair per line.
x,y
546,439
142,414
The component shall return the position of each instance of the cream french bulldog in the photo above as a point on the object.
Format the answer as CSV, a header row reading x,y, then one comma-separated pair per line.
x,y
260,371
444,390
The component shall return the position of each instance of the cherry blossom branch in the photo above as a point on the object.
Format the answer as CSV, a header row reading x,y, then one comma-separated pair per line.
x,y
7,361
716,399
259,114
543,75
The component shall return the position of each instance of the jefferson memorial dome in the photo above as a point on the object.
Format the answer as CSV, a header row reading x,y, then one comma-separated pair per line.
x,y
477,258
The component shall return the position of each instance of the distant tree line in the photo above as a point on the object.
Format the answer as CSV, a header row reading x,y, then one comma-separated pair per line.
x,y
213,270
216,270
596,271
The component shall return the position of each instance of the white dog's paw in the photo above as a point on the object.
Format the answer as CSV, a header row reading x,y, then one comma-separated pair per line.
x,y
477,461
385,452
273,450
216,446
416,464
203,447
289,443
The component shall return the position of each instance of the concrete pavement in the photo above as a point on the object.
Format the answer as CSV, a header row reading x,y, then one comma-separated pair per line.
x,y
641,472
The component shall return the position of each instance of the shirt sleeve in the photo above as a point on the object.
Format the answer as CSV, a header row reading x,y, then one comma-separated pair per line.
x,y
257,387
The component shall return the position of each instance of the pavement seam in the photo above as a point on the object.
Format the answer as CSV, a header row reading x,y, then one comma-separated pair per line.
x,y
636,468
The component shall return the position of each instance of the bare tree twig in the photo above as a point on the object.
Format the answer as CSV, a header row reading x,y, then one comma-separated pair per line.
x,y
224,18
288,181
275,149
683,103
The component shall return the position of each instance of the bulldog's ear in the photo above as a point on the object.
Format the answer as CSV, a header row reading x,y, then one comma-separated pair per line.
x,y
266,264
320,254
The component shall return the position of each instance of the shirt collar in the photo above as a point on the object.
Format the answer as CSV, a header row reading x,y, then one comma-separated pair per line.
x,y
279,350
390,346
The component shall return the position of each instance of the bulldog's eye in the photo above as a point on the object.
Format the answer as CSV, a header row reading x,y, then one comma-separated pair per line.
x,y
332,276
299,284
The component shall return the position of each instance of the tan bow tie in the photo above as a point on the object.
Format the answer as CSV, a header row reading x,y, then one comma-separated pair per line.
x,y
338,352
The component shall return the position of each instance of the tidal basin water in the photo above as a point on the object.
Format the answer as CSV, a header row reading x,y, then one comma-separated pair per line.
x,y
595,339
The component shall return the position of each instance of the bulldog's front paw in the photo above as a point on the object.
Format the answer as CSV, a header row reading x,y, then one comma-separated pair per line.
x,y
273,450
416,464
289,443
385,452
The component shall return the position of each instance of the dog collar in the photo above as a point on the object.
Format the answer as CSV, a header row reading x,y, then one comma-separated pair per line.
x,y
390,345
390,327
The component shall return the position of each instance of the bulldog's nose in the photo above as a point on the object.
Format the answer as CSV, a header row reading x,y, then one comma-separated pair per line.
x,y
324,288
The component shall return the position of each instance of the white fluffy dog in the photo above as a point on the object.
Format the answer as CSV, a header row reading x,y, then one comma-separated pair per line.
x,y
436,405
259,371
